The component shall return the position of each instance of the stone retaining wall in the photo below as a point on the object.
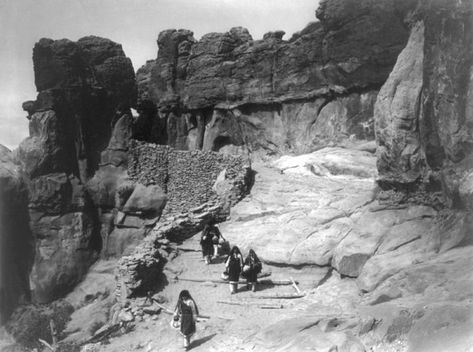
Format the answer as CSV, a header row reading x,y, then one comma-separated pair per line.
x,y
187,177
138,273
148,163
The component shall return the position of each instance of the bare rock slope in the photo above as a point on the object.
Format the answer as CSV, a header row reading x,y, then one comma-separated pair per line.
x,y
376,274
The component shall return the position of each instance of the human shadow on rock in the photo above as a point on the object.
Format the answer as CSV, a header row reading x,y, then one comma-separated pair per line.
x,y
201,341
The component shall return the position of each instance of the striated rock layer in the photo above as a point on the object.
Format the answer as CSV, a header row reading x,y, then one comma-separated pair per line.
x,y
391,265
273,95
423,113
85,90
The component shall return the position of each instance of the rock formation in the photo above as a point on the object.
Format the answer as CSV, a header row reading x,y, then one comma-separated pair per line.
x,y
423,115
271,94
16,242
393,77
84,87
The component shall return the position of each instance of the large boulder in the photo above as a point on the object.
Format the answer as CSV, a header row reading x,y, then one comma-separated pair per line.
x,y
66,245
146,200
70,122
418,239
298,216
380,231
424,131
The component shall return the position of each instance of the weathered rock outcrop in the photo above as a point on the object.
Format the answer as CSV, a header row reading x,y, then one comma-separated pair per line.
x,y
390,264
16,242
83,87
398,260
271,94
85,91
424,118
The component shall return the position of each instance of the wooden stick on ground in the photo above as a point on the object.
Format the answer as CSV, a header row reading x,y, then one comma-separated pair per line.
x,y
274,282
235,303
170,312
280,296
274,306
295,286
47,345
257,304
187,249
220,281
166,309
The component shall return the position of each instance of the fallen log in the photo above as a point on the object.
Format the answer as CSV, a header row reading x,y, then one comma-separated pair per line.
x,y
257,304
242,303
242,282
274,306
280,296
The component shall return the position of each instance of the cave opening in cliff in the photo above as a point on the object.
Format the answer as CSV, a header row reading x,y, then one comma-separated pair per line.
x,y
220,142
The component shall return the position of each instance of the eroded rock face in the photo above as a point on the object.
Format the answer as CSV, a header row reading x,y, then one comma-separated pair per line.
x,y
16,242
424,129
396,111
80,120
228,89
81,87
66,245
392,264
299,212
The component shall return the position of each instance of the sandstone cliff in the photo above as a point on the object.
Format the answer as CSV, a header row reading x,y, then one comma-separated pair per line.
x,y
423,112
227,90
318,87
83,88
395,72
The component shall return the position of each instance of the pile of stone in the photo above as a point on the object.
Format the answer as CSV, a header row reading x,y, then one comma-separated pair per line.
x,y
139,273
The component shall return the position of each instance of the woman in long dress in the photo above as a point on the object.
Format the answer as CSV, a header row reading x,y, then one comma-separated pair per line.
x,y
206,242
186,310
234,263
251,268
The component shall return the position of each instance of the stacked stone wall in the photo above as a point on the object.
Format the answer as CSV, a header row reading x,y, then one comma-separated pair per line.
x,y
187,177
148,164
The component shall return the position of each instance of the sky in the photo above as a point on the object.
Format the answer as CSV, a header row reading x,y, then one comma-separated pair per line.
x,y
133,23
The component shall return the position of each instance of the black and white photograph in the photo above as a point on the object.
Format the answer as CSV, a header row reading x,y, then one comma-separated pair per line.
x,y
236,175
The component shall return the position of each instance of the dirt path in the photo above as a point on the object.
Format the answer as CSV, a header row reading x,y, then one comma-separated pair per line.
x,y
230,327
